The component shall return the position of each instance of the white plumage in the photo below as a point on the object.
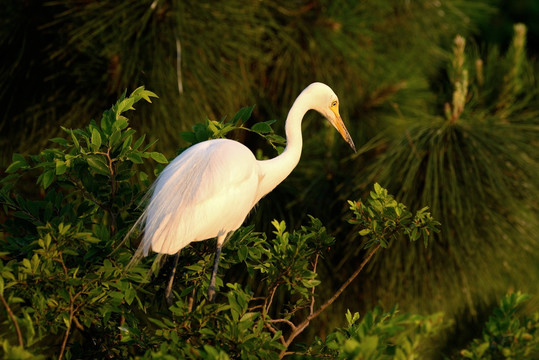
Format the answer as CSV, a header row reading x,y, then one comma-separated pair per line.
x,y
193,190
209,189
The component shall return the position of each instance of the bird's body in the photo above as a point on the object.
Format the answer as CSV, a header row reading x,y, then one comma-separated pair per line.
x,y
209,189
196,187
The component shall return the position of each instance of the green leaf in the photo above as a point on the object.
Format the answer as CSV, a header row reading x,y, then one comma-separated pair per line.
x,y
146,94
135,157
160,158
415,234
130,294
207,331
249,316
480,350
365,232
243,114
74,138
14,167
195,267
141,93
47,178
121,122
115,137
262,127
143,177
61,167
149,145
212,125
66,320
19,353
98,164
19,162
127,143
201,132
106,121
96,139
59,140
124,105
243,251
369,344
189,136
139,142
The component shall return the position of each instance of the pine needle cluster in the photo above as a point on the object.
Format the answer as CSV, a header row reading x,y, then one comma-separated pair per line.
x,y
476,165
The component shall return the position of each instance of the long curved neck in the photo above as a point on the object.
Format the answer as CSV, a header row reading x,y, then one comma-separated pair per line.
x,y
274,171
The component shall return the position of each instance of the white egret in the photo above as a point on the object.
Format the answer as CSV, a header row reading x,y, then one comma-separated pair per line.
x,y
210,188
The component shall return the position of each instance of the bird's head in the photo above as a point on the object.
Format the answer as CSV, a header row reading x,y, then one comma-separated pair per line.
x,y
326,102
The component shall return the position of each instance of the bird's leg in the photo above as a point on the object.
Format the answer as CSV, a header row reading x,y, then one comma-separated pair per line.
x,y
211,289
168,293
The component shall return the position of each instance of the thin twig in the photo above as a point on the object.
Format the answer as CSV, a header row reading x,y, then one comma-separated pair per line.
x,y
286,321
312,290
191,301
13,319
86,194
299,329
260,306
26,212
267,304
60,259
113,190
269,300
68,330
72,311
72,308
274,331
271,328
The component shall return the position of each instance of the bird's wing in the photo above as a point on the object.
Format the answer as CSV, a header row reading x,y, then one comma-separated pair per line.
x,y
206,191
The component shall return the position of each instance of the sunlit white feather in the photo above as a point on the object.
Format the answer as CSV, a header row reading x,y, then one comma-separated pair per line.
x,y
205,192
209,189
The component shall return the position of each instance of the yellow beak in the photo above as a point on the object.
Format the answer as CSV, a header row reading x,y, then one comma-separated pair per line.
x,y
339,125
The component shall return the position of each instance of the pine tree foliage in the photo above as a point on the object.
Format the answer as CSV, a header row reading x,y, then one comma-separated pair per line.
x,y
212,58
475,163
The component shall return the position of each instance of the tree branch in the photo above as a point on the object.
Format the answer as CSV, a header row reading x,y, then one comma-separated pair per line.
x,y
13,319
68,330
286,321
269,299
299,329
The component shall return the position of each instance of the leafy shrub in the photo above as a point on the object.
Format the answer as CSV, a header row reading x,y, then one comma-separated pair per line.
x,y
381,335
66,291
507,335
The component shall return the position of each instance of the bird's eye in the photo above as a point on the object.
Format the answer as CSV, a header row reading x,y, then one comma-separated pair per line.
x,y
334,103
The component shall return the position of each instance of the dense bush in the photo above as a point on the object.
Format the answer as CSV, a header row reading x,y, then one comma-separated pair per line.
x,y
506,334
66,290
